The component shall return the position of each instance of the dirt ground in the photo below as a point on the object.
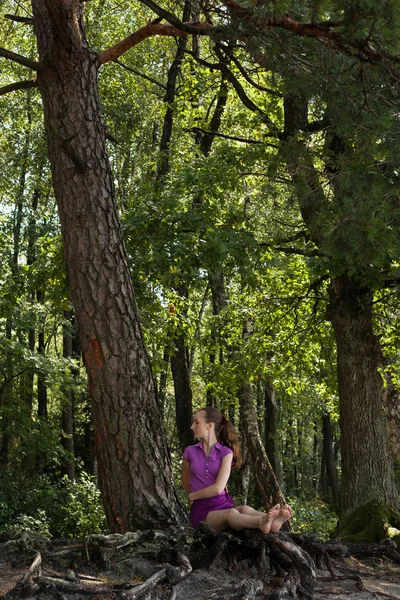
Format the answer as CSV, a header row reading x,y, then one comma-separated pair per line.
x,y
366,579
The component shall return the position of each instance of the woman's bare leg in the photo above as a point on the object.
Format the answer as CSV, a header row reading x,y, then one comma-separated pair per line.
x,y
242,517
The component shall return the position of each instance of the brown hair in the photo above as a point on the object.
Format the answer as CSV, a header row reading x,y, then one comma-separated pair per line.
x,y
224,431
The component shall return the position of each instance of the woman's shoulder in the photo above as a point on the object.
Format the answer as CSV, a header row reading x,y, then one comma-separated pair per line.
x,y
223,450
189,450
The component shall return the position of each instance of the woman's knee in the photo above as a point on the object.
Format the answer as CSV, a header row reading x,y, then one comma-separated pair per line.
x,y
245,510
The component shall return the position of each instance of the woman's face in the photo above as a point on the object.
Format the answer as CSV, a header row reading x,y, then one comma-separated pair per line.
x,y
200,428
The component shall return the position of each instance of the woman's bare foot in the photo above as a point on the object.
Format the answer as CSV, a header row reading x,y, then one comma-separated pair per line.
x,y
284,515
270,517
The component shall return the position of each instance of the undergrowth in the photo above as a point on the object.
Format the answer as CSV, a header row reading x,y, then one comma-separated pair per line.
x,y
51,507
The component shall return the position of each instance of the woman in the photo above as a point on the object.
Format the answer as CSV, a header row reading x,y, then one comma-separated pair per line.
x,y
205,472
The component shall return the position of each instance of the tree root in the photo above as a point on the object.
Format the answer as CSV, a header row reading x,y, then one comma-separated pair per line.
x,y
386,547
292,558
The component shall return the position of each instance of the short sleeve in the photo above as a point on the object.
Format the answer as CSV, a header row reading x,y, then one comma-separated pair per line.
x,y
187,454
225,450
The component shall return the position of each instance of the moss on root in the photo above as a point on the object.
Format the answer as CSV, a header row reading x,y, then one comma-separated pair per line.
x,y
369,523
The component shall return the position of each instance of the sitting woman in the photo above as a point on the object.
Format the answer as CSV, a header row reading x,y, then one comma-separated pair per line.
x,y
205,472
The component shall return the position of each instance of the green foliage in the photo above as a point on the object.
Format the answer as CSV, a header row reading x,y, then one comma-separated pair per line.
x,y
312,516
234,211
51,507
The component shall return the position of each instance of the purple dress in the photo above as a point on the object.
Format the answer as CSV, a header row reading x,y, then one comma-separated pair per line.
x,y
203,472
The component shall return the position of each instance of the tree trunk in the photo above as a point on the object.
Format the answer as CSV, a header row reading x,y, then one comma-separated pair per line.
x,y
67,414
244,477
162,385
183,391
330,463
134,468
41,384
271,429
263,473
367,463
180,367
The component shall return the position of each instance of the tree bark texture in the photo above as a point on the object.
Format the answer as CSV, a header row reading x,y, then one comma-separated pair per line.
x,y
135,475
367,463
263,473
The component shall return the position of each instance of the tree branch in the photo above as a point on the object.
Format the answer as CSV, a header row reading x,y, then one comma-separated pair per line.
x,y
306,253
18,19
135,38
18,85
231,137
323,31
360,49
22,60
252,82
194,28
131,69
239,88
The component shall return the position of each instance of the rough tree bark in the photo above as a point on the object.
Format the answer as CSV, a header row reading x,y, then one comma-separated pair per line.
x,y
365,449
134,468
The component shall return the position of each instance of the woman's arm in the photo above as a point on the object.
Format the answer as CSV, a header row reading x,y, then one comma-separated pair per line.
x,y
185,477
220,483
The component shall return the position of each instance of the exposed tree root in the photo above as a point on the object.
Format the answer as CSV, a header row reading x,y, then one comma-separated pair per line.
x,y
287,560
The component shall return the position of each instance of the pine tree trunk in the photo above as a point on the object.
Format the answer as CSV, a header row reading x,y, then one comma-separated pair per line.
x,y
367,463
134,469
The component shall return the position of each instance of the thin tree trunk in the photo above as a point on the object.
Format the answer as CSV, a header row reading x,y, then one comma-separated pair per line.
x,y
329,457
170,98
264,475
183,391
180,362
41,384
162,386
134,468
30,259
8,395
271,429
244,476
67,414
324,478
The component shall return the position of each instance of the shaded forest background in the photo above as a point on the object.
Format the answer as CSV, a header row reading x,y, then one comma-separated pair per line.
x,y
259,204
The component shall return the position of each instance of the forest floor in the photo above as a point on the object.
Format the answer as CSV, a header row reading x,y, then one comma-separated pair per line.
x,y
358,579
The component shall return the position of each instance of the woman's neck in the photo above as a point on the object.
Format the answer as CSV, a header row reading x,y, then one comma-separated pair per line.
x,y
209,443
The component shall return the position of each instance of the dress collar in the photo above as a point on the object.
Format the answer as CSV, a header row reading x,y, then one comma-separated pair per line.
x,y
218,445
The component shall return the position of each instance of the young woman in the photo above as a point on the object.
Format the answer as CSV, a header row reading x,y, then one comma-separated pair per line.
x,y
205,472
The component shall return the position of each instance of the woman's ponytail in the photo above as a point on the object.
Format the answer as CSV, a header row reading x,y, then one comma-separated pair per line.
x,y
224,431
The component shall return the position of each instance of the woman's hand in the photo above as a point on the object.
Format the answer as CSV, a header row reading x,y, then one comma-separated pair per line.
x,y
190,499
